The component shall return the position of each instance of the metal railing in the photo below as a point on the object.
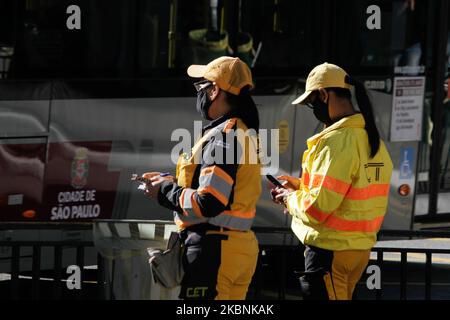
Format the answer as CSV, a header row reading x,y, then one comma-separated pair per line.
x,y
20,278
56,276
285,254
286,251
403,268
428,252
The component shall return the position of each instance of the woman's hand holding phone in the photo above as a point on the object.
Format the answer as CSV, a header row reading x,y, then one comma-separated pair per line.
x,y
290,182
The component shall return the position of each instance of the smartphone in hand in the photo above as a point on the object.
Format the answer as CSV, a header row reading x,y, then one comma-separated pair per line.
x,y
135,177
274,181
140,179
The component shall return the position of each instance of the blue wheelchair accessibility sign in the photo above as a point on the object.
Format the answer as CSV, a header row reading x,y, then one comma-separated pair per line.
x,y
406,163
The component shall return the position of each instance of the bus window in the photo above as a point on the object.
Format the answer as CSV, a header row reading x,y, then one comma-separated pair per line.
x,y
129,39
444,185
427,144
399,40
263,33
444,179
285,33
443,182
6,36
118,38
201,33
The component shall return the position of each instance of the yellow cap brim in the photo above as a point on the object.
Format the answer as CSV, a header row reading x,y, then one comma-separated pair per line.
x,y
302,98
196,71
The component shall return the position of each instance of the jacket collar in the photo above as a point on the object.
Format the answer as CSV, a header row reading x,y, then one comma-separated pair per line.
x,y
218,121
353,121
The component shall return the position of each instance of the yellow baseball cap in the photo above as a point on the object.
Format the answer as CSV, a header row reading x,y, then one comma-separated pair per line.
x,y
230,74
325,75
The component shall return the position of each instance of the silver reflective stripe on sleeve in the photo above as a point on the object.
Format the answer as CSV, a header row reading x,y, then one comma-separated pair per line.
x,y
188,219
216,182
188,207
228,221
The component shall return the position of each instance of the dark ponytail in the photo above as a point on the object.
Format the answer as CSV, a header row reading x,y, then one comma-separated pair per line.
x,y
244,107
365,106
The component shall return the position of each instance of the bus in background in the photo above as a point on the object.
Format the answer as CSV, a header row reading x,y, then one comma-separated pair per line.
x,y
81,110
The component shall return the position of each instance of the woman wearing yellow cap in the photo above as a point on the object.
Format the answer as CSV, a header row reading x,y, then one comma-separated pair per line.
x,y
340,201
217,185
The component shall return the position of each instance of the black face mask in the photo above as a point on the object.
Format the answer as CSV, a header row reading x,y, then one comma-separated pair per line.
x,y
203,104
320,111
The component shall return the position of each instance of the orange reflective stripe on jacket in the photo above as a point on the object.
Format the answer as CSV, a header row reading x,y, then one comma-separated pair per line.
x,y
240,214
328,182
237,220
334,222
372,191
356,226
229,125
341,187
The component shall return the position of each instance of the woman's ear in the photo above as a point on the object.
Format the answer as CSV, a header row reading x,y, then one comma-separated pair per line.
x,y
214,92
323,94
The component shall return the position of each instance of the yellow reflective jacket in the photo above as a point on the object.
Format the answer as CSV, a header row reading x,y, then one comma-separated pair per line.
x,y
343,194
222,193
